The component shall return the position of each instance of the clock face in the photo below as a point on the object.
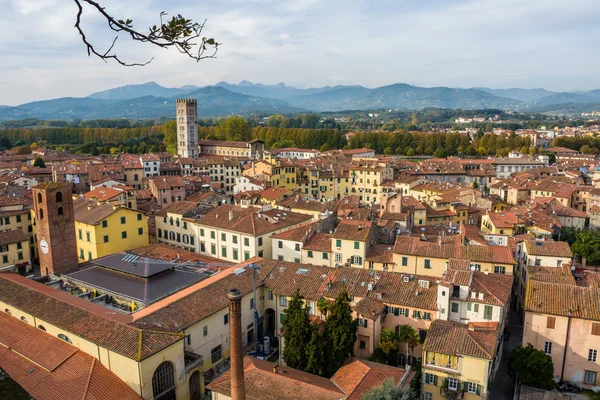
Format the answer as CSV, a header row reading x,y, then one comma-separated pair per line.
x,y
44,246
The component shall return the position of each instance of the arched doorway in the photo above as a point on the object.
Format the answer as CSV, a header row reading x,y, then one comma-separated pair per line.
x,y
195,386
163,382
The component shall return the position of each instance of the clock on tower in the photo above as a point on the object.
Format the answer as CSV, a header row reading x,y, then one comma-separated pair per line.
x,y
55,223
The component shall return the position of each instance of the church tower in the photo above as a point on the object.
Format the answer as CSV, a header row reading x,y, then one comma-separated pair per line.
x,y
55,226
187,131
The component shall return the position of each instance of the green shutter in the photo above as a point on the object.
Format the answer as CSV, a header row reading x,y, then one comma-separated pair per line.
x,y
396,311
366,323
469,306
478,390
282,317
435,380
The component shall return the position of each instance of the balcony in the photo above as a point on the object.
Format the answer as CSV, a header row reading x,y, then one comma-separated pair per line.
x,y
449,367
192,360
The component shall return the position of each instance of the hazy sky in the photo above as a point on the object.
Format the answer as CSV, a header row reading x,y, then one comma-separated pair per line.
x,y
459,43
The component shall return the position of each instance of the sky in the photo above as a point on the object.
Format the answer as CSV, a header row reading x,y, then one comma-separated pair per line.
x,y
308,43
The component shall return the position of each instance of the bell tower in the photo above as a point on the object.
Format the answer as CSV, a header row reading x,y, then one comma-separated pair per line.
x,y
187,131
55,227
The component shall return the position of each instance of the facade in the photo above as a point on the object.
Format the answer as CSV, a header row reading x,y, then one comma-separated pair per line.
x,y
167,189
250,149
187,131
103,229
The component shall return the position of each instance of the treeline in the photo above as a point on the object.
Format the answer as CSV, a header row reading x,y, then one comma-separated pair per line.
x,y
583,144
78,123
438,144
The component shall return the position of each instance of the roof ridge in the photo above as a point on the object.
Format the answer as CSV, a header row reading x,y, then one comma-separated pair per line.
x,y
89,379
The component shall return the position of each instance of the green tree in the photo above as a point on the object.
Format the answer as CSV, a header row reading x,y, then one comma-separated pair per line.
x,y
340,332
316,360
410,152
408,336
531,367
475,185
296,333
39,162
234,128
170,131
323,306
390,391
324,147
585,245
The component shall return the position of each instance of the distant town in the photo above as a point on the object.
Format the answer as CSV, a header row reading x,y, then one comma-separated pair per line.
x,y
444,254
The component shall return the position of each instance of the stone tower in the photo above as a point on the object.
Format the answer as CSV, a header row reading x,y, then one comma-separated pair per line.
x,y
187,131
55,226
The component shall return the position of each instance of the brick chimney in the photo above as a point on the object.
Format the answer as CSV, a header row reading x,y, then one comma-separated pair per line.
x,y
238,390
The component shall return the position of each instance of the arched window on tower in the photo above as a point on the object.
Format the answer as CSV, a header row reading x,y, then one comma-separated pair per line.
x,y
163,382
39,197
59,197
41,213
60,211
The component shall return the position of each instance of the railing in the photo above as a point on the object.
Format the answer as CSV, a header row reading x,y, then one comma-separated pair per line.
x,y
452,366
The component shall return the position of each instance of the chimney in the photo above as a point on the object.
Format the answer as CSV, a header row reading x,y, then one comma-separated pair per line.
x,y
238,390
230,215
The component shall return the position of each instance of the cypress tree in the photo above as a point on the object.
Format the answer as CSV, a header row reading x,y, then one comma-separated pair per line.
x,y
296,333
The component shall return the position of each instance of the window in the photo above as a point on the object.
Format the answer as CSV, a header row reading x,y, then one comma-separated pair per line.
x,y
548,348
427,264
81,254
124,235
427,316
325,256
19,246
283,301
476,307
592,355
59,211
596,328
357,260
252,304
416,314
89,255
309,254
64,337
6,310
487,312
550,322
224,237
356,245
280,244
87,236
225,319
105,224
205,330
297,247
270,295
454,307
59,197
471,387
338,243
123,220
427,396
246,255
39,196
24,319
453,384
363,344
234,239
430,379
404,261
499,270
139,217
246,241
223,251
260,253
201,232
590,377
42,328
212,234
235,254
20,256
260,241
163,382
4,259
363,322
80,233
140,231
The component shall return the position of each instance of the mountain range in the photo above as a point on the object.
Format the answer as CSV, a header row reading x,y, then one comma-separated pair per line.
x,y
151,100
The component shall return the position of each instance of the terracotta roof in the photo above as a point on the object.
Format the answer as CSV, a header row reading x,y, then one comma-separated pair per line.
x,y
102,194
560,299
350,229
456,339
285,277
224,143
13,236
318,242
90,212
369,308
265,380
496,288
380,253
167,182
250,220
90,321
296,234
504,219
563,275
548,248
179,208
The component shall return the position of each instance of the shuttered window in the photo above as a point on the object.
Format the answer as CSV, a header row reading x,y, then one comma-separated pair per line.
x,y
551,322
596,329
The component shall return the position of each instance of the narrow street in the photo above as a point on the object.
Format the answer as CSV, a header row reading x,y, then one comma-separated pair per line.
x,y
503,386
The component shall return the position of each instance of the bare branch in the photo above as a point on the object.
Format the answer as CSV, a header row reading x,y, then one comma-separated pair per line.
x,y
177,32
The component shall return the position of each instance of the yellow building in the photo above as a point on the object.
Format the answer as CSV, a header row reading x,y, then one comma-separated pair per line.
x,y
14,251
283,173
15,213
367,175
462,367
325,183
499,223
351,242
102,229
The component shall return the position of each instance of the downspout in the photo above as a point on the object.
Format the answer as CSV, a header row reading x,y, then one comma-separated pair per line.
x,y
562,371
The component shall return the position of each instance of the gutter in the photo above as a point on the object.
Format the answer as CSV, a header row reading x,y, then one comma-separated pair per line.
x,y
562,371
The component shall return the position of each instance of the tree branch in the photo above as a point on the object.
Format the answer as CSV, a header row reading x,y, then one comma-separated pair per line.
x,y
177,32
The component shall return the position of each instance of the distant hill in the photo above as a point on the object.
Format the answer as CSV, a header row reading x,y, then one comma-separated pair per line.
x,y
400,96
212,101
151,100
566,108
145,89
526,95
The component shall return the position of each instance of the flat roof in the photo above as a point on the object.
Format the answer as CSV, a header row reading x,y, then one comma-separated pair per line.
x,y
133,264
146,290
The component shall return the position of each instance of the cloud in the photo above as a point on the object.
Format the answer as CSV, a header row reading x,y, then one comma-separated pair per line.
x,y
307,43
